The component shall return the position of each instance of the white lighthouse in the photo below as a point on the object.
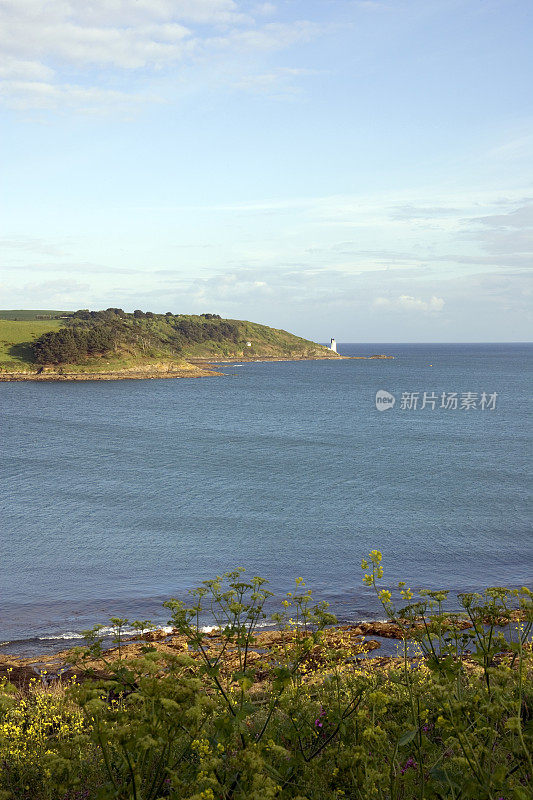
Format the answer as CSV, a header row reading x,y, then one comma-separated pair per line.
x,y
333,345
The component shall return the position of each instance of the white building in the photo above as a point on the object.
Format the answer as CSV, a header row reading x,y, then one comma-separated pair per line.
x,y
333,345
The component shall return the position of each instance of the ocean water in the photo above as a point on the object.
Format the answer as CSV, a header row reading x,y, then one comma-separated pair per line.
x,y
117,495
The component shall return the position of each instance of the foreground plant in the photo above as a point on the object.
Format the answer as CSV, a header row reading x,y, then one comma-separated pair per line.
x,y
34,729
214,717
480,678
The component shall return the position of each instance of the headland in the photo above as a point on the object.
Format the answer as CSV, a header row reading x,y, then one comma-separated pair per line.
x,y
114,345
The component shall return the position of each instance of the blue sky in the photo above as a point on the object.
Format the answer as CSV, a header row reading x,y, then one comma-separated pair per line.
x,y
352,168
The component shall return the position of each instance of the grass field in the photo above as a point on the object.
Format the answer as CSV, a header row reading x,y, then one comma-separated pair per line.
x,y
16,337
29,314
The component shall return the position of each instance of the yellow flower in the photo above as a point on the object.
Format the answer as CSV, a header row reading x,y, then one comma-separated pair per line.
x,y
385,596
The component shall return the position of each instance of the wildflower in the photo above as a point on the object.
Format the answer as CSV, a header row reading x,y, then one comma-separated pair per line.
x,y
385,596
409,764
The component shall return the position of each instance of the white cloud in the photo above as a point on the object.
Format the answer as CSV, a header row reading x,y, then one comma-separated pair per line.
x,y
265,9
124,12
42,95
278,81
18,69
272,36
521,218
46,44
406,302
56,291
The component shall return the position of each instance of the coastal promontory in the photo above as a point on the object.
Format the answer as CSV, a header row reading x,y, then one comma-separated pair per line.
x,y
113,344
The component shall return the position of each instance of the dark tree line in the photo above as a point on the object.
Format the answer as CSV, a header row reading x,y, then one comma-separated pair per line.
x,y
109,315
190,330
73,344
90,333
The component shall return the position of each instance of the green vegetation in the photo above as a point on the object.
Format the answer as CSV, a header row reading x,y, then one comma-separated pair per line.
x,y
28,315
450,720
108,340
16,339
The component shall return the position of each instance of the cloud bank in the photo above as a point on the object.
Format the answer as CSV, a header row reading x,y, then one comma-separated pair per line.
x,y
70,53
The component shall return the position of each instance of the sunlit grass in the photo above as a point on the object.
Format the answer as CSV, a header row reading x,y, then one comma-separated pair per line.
x,y
16,338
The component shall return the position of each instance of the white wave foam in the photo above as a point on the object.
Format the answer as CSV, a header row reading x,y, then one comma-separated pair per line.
x,y
213,628
164,628
107,630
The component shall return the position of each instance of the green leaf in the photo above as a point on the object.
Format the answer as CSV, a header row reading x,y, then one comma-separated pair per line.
x,y
440,774
407,737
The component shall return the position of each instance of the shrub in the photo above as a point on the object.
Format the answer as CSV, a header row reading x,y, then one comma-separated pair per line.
x,y
215,718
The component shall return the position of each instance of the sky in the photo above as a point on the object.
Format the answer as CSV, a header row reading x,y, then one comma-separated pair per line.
x,y
361,169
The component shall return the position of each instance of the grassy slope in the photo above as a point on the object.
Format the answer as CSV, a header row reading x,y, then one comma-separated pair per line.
x,y
265,343
15,339
16,336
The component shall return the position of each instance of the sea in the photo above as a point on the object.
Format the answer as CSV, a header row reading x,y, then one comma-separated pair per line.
x,y
118,495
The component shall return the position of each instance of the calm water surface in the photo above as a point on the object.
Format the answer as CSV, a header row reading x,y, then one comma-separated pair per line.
x,y
117,495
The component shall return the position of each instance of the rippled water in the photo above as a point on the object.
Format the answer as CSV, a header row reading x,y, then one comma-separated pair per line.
x,y
117,495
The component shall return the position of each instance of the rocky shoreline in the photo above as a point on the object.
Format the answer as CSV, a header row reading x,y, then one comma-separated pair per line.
x,y
135,373
195,368
351,641
23,672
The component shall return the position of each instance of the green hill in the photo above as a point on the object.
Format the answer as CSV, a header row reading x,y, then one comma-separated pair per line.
x,y
112,341
25,314
16,338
